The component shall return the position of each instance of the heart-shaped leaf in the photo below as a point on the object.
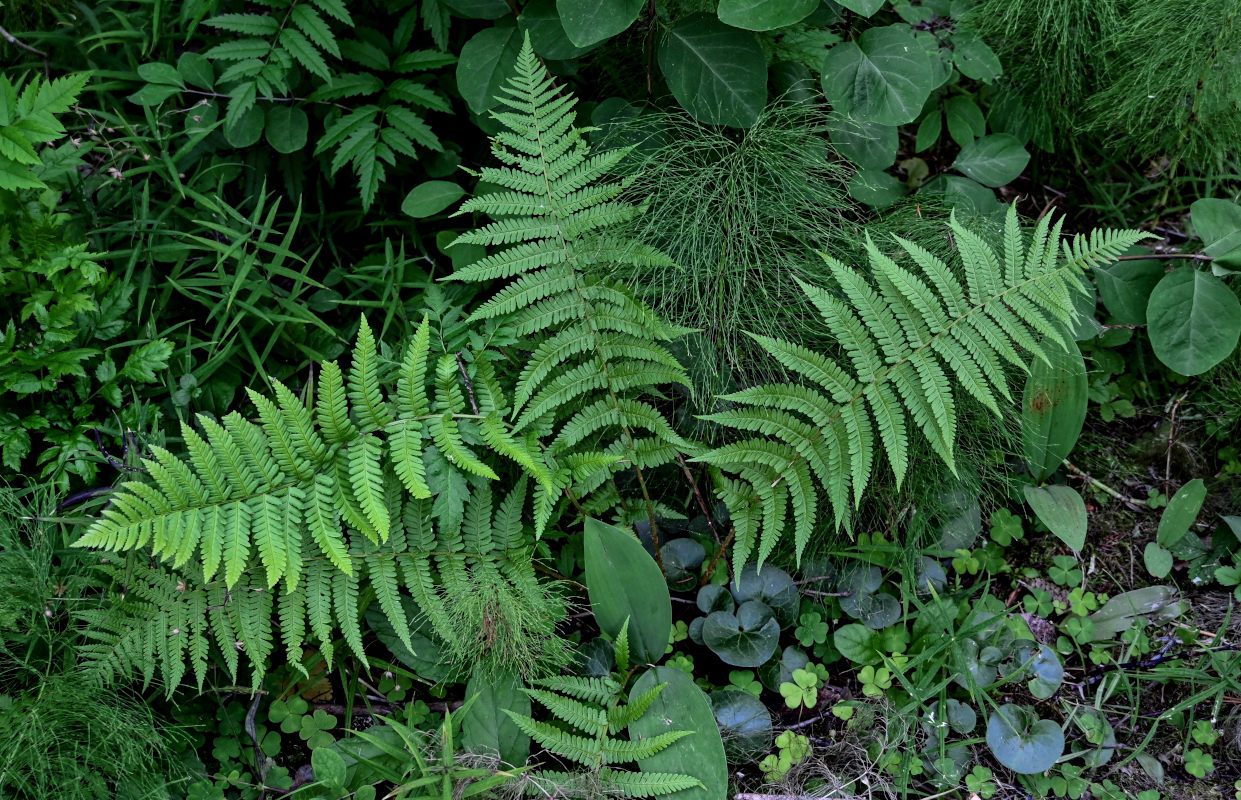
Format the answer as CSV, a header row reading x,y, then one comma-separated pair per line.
x,y
1126,287
1181,512
882,77
1062,510
744,723
1194,320
714,597
780,670
746,639
771,586
717,73
1023,742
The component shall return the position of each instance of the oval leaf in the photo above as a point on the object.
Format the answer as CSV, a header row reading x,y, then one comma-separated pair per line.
x,y
547,36
883,77
1181,512
744,723
764,15
1053,409
486,61
1218,225
993,160
589,21
286,128
1157,559
1126,287
486,728
624,583
1194,321
328,766
1022,742
430,198
717,73
1062,510
682,706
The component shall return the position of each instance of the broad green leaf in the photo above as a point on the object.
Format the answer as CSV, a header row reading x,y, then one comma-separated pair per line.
x,y
1053,409
965,120
1023,742
161,73
547,36
866,144
248,128
486,62
883,77
993,160
764,15
744,723
717,73
770,585
624,583
286,128
1181,512
478,9
682,706
1118,613
196,70
430,198
1194,320
1218,224
328,766
588,22
153,94
748,638
876,188
857,643
863,7
975,59
1157,559
485,728
929,129
1126,287
963,193
1062,510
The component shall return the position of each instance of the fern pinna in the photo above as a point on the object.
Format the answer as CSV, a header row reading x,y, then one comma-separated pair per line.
x,y
589,711
371,481
595,349
908,337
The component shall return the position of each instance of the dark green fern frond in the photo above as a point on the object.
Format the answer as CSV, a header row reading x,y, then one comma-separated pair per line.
x,y
597,352
587,711
910,337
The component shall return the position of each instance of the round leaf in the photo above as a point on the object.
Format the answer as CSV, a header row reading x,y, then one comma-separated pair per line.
x,y
744,723
587,22
485,63
624,583
993,160
1157,559
328,766
747,639
1181,512
883,77
1194,321
975,59
1126,287
866,144
857,643
682,557
764,15
1062,510
1218,225
195,69
714,597
780,670
717,73
430,198
1053,409
1022,742
772,586
286,128
248,128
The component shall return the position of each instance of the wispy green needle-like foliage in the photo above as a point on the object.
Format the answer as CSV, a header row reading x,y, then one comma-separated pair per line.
x,y
912,333
738,213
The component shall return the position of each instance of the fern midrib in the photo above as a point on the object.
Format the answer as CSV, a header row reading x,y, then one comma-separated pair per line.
x,y
883,376
571,259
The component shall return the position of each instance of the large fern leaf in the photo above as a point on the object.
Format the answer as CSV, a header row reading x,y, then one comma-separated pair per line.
x,y
911,335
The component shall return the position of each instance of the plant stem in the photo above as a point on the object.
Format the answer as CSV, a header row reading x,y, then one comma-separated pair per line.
x,y
1137,505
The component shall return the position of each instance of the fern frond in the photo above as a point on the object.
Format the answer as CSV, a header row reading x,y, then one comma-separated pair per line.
x,y
910,337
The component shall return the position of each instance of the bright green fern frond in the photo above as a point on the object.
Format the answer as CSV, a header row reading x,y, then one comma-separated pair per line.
x,y
912,334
